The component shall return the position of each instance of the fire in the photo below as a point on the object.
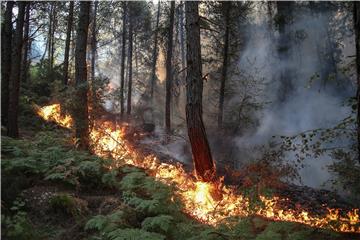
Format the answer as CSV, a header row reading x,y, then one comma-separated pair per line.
x,y
210,203
53,113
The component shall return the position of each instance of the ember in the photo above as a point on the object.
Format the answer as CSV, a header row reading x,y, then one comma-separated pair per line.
x,y
198,198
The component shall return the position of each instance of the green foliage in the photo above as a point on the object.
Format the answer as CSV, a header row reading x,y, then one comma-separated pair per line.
x,y
46,155
134,234
67,204
17,225
160,224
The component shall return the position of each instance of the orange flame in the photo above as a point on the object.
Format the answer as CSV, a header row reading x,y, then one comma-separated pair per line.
x,y
198,197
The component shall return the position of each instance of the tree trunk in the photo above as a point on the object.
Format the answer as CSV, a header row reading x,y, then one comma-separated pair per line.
x,y
12,127
182,39
226,8
123,50
357,44
93,53
155,53
81,106
67,42
169,75
24,65
286,76
6,46
52,36
130,65
202,158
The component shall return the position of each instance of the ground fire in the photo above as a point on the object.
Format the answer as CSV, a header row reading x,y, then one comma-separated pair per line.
x,y
107,139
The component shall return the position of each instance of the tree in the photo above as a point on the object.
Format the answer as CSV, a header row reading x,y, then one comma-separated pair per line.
x,y
356,20
226,8
81,104
122,71
131,23
284,19
202,158
93,53
6,46
67,42
155,53
169,74
26,44
12,124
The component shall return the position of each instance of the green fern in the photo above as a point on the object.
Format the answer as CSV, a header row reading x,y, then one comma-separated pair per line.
x,y
159,224
134,234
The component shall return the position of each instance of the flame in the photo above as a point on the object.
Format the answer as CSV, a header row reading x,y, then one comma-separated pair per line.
x,y
210,203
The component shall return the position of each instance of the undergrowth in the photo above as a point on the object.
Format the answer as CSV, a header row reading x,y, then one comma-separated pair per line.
x,y
144,208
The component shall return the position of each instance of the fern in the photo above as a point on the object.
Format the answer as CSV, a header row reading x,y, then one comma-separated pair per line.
x,y
134,234
159,224
96,223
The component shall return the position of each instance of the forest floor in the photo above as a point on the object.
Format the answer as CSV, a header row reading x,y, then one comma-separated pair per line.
x,y
52,191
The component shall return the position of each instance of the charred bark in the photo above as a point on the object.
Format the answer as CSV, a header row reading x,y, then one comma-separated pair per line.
x,y
12,126
204,165
81,104
155,54
67,42
6,46
169,75
226,9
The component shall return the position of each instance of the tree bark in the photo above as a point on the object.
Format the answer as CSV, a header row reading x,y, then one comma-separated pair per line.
x,y
81,104
52,36
284,12
67,42
169,75
93,53
24,64
155,53
204,165
226,8
12,127
6,46
357,45
123,52
130,65
182,39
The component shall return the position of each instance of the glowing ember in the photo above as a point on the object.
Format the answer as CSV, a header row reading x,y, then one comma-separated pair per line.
x,y
198,197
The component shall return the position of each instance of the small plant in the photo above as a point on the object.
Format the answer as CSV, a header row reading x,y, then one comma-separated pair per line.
x,y
16,225
67,204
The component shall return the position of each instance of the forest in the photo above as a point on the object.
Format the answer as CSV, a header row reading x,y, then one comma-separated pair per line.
x,y
194,120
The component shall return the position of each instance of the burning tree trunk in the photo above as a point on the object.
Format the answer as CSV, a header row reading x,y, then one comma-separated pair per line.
x,y
226,9
203,161
122,71
130,65
6,46
12,126
155,51
357,44
169,75
81,104
67,42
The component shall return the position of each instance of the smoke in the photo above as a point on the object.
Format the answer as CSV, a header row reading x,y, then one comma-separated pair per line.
x,y
309,103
